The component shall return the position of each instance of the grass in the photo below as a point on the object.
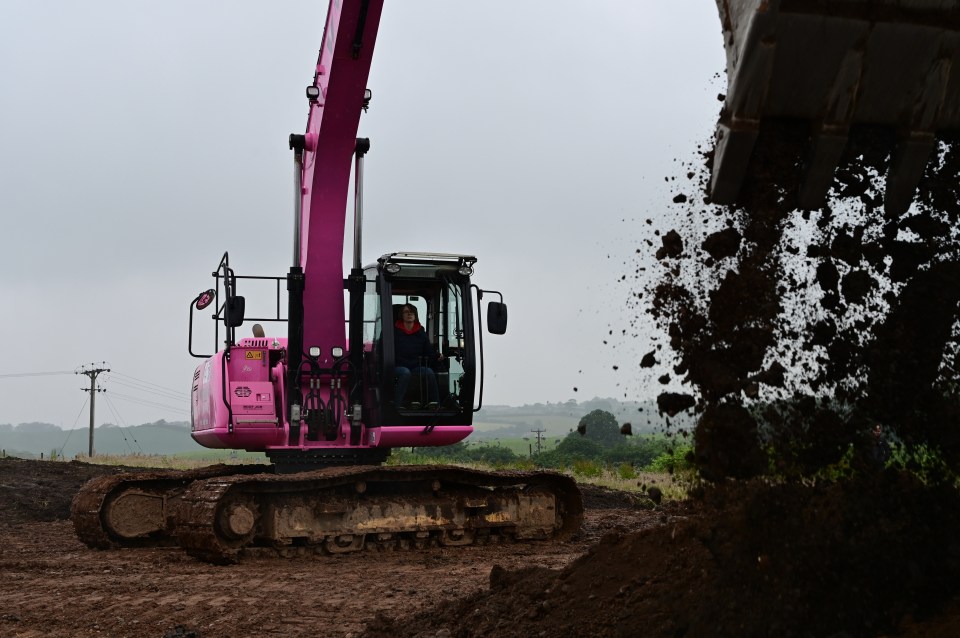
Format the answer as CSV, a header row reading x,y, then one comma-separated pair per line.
x,y
672,487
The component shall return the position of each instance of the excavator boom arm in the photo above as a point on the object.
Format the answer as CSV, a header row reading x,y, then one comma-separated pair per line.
x,y
340,81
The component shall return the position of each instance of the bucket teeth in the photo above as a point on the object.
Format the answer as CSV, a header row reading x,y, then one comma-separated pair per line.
x,y
893,65
731,157
906,168
826,150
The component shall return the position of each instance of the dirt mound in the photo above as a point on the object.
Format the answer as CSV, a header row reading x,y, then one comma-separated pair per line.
x,y
856,558
601,498
43,490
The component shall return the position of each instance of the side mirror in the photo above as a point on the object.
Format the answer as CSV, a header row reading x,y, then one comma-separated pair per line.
x,y
233,312
205,298
497,317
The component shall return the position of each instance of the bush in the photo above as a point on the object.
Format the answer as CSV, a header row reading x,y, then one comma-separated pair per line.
x,y
457,453
680,459
589,469
640,453
570,450
626,471
493,454
637,454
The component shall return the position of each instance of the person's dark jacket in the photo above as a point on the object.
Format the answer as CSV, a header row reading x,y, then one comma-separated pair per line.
x,y
413,348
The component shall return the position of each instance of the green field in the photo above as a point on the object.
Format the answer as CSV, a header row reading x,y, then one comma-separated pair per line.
x,y
555,425
518,445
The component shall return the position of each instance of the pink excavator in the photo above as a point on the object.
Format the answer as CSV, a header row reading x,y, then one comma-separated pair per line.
x,y
329,397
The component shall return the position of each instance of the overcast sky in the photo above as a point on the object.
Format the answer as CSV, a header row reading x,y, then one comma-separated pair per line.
x,y
140,140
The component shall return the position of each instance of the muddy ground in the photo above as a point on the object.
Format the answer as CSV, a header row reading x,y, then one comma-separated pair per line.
x,y
868,558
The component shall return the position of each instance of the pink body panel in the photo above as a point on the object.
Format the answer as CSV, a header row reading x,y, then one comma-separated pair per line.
x,y
413,436
253,399
255,394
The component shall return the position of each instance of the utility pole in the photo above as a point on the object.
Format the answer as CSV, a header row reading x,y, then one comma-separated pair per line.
x,y
539,434
93,389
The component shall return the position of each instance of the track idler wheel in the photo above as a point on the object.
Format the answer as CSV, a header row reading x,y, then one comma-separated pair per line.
x,y
237,522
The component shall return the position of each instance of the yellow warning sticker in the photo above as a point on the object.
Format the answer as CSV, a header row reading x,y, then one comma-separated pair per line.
x,y
254,354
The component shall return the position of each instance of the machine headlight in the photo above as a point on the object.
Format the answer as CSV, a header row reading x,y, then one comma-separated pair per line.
x,y
392,268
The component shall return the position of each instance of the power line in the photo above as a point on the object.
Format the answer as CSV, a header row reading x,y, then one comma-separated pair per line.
x,y
121,423
138,386
75,421
117,417
35,374
182,396
140,401
148,383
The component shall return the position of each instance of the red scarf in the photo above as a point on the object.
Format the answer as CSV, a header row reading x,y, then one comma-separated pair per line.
x,y
415,329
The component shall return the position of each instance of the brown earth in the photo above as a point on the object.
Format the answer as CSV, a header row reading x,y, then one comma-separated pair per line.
x,y
863,558
797,332
811,344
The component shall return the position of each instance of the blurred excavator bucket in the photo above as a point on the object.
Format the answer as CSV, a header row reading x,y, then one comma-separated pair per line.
x,y
838,63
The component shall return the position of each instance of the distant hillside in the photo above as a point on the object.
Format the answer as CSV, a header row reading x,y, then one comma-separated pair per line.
x,y
173,437
31,439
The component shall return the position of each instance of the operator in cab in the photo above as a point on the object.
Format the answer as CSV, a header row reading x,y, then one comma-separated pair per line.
x,y
413,354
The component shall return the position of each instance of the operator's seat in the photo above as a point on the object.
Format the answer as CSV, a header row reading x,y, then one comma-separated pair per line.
x,y
416,392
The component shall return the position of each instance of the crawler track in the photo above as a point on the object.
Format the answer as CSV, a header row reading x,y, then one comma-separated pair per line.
x,y
221,513
344,509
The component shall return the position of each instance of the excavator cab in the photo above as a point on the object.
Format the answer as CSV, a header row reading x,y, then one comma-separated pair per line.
x,y
442,388
886,63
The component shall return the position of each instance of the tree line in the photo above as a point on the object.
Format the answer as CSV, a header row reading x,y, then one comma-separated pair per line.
x,y
599,439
